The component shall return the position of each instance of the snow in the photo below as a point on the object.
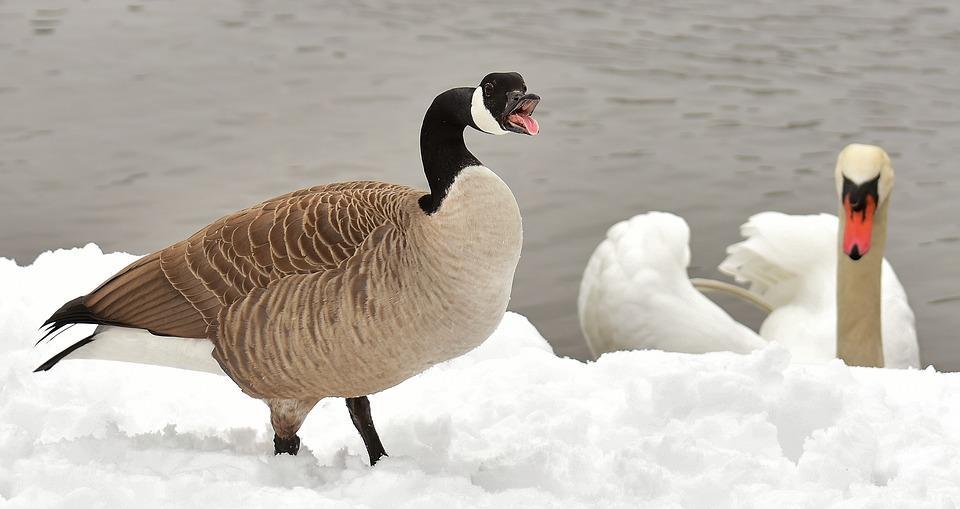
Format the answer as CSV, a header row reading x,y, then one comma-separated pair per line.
x,y
508,425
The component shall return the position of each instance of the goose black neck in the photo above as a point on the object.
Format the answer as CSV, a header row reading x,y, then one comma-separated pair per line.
x,y
441,144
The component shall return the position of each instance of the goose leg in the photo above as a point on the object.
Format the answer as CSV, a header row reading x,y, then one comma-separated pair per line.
x,y
360,415
286,416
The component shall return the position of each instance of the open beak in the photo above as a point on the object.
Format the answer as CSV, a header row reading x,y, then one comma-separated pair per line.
x,y
859,206
519,117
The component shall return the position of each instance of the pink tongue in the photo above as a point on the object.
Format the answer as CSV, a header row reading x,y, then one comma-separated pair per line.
x,y
528,123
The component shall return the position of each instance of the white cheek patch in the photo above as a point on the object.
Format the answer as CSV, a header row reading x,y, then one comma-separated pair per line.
x,y
481,115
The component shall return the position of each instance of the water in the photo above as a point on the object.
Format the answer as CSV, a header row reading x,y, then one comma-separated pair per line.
x,y
132,125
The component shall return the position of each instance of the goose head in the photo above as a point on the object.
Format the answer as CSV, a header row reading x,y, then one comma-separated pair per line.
x,y
501,104
864,180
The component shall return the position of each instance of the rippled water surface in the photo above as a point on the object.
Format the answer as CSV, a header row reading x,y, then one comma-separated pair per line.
x,y
133,124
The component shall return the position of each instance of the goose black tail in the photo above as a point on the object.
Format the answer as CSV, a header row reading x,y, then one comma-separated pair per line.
x,y
59,357
72,312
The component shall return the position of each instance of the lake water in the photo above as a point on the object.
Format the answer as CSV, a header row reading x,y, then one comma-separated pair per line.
x,y
132,124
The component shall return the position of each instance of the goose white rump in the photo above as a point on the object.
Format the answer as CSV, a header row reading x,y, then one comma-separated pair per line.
x,y
141,347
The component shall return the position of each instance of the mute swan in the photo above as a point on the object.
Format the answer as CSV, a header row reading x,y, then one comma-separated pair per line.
x,y
635,292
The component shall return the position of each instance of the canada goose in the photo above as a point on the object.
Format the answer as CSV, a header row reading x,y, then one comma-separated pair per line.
x,y
339,290
635,292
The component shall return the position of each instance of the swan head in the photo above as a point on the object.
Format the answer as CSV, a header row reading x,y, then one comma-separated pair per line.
x,y
501,104
864,180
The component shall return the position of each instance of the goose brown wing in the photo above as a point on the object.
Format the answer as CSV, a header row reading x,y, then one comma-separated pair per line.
x,y
181,290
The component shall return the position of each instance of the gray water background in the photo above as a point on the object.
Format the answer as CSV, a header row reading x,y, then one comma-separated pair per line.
x,y
132,124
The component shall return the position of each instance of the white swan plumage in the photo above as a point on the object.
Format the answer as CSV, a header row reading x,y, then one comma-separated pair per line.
x,y
791,261
829,291
635,292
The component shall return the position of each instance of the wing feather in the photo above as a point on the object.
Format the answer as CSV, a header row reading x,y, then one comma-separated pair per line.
x,y
183,289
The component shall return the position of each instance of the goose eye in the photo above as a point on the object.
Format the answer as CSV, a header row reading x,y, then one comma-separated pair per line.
x,y
488,89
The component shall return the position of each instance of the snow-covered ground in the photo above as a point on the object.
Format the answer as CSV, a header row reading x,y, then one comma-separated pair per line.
x,y
509,425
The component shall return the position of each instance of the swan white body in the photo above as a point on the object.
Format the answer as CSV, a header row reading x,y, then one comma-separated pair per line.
x,y
791,261
635,291
635,294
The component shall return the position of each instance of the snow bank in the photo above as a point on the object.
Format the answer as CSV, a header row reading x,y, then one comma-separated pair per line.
x,y
510,425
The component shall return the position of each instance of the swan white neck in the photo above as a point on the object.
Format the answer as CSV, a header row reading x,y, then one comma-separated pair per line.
x,y
859,338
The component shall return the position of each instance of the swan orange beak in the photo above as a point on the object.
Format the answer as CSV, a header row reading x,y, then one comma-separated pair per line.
x,y
859,207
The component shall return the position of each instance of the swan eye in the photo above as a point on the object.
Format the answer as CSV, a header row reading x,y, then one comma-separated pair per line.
x,y
488,89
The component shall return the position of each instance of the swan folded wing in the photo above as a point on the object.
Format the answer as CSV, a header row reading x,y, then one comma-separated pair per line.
x,y
181,290
635,294
777,249
632,278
